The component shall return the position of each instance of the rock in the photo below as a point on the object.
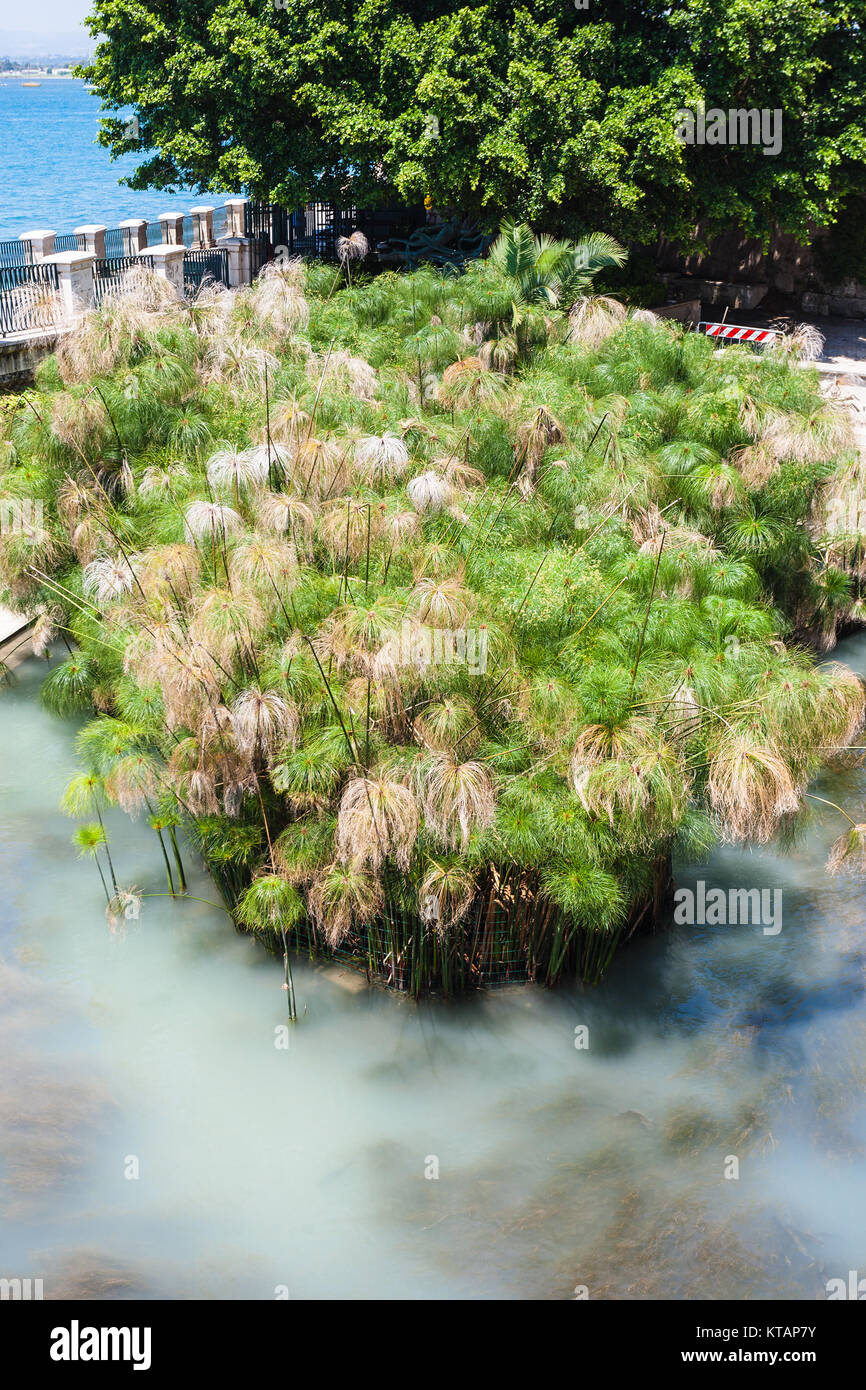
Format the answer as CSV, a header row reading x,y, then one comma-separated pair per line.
x,y
715,292
352,981
636,1117
686,311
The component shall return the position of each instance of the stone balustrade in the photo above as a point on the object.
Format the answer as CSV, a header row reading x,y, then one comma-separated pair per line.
x,y
235,216
202,227
94,238
78,287
134,231
74,281
171,224
41,244
91,236
167,260
240,260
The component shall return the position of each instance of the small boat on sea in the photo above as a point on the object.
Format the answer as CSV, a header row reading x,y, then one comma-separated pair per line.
x,y
31,84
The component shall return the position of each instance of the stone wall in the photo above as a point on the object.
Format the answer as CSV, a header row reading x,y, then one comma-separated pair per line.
x,y
20,357
787,267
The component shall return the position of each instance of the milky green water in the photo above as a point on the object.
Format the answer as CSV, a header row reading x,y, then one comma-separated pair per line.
x,y
304,1169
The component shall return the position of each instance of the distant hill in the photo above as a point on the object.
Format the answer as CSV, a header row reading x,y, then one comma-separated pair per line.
x,y
28,46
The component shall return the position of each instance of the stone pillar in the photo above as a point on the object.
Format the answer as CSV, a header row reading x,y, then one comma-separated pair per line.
x,y
134,231
240,262
74,280
166,260
94,238
41,244
202,227
172,228
235,216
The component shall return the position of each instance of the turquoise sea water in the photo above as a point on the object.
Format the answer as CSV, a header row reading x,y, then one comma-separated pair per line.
x,y
53,174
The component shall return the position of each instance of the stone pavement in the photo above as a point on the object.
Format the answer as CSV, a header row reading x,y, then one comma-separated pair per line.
x,y
844,342
14,642
10,624
842,367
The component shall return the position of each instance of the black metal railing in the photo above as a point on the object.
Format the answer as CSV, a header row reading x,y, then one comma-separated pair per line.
x,y
208,264
258,228
116,243
29,298
15,252
219,221
308,231
111,275
155,232
69,241
314,230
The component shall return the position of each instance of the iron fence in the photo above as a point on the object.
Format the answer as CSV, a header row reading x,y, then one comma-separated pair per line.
x,y
111,275
155,232
15,252
313,230
258,227
198,266
69,241
116,243
29,298
308,231
219,221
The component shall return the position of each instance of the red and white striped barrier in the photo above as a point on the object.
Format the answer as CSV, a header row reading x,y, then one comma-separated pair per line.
x,y
734,332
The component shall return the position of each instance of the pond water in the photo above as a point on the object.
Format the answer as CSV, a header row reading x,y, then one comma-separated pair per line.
x,y
301,1171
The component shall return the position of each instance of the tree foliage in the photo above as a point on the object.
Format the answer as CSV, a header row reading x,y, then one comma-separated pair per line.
x,y
561,116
